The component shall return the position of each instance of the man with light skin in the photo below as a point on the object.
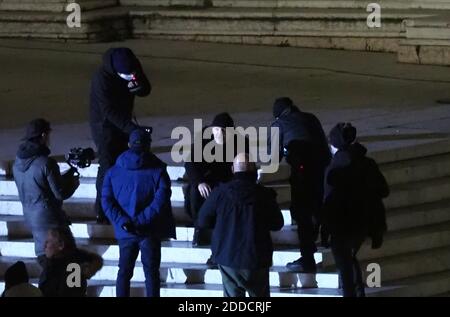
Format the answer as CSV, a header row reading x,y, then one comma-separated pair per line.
x,y
62,252
204,176
242,214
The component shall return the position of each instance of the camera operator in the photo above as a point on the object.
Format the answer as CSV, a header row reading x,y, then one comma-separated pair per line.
x,y
113,89
41,186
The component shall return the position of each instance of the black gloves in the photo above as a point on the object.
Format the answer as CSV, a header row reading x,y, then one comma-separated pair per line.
x,y
129,227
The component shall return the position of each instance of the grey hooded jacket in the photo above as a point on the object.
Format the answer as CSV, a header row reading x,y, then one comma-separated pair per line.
x,y
41,186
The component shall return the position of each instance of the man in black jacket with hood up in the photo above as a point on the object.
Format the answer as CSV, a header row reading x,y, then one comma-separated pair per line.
x,y
353,207
304,144
113,89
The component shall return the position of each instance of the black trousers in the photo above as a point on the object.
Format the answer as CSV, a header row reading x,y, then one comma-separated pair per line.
x,y
109,147
306,201
201,236
236,282
344,252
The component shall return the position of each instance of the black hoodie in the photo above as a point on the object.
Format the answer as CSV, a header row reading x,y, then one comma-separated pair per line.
x,y
111,102
242,214
354,189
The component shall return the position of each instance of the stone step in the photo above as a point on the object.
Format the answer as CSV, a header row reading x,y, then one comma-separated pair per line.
x,y
87,190
414,264
191,274
53,5
416,216
419,286
426,41
172,251
397,219
403,242
323,4
402,195
108,289
97,25
417,169
417,193
15,227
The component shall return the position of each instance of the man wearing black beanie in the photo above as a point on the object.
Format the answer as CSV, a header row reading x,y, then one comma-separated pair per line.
x,y
353,208
204,176
304,145
113,89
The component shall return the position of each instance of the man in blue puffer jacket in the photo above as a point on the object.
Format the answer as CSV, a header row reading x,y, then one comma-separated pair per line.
x,y
136,199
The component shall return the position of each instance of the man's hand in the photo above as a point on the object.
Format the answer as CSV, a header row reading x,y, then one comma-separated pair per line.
x,y
129,227
204,190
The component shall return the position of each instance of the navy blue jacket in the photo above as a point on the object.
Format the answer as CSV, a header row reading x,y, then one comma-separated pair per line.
x,y
137,189
242,214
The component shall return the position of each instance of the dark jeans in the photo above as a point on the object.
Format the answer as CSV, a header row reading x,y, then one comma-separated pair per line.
x,y
344,252
151,260
109,147
237,281
306,200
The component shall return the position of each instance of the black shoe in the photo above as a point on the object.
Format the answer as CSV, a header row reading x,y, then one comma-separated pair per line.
x,y
210,262
303,265
102,220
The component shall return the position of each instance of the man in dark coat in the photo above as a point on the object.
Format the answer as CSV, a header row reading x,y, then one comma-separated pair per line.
x,y
113,89
304,144
60,277
136,199
353,208
204,176
40,184
242,214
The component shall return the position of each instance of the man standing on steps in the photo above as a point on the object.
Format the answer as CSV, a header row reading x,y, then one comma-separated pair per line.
x,y
304,145
113,89
242,214
353,206
136,199
41,186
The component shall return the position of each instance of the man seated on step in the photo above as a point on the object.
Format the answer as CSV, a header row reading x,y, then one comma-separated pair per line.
x,y
41,186
204,175
353,208
68,268
136,199
242,214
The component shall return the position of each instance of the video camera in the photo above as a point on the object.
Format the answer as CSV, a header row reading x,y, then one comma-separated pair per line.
x,y
79,158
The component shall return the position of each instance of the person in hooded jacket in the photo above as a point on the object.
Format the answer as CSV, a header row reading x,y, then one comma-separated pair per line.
x,y
242,214
304,144
353,205
41,187
204,176
136,199
17,282
113,89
